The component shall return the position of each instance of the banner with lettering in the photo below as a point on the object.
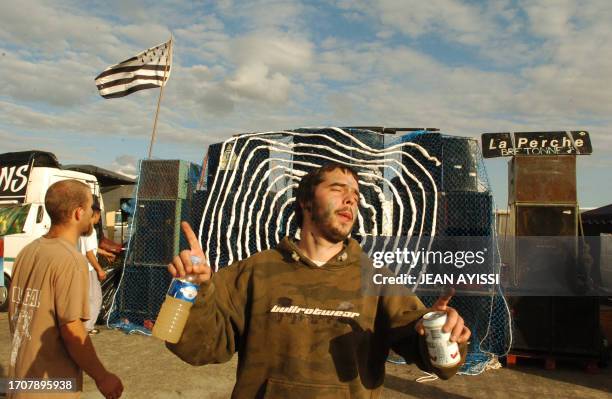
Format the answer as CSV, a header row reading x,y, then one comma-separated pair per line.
x,y
14,181
536,143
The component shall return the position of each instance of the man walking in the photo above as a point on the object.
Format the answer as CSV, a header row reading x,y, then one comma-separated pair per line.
x,y
88,245
297,315
49,302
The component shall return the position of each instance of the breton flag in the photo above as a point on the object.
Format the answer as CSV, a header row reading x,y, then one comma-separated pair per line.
x,y
146,70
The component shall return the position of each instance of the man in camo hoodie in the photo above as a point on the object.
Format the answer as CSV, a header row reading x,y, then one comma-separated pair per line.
x,y
297,314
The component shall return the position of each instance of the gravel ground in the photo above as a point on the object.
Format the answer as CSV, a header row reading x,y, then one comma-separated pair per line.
x,y
149,371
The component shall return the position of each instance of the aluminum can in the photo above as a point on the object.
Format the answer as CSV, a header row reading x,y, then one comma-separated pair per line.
x,y
442,352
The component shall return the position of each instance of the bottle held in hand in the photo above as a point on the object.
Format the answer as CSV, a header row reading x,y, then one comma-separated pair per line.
x,y
442,352
175,309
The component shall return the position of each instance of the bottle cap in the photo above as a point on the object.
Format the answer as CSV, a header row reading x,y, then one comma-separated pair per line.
x,y
196,260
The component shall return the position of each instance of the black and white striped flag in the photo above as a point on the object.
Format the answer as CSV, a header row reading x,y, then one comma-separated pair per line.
x,y
146,70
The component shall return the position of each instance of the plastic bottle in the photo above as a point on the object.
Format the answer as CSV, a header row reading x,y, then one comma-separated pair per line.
x,y
175,309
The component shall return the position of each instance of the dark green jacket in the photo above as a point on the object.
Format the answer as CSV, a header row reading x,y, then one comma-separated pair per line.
x,y
300,330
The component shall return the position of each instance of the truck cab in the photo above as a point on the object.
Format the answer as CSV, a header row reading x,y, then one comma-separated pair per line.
x,y
24,180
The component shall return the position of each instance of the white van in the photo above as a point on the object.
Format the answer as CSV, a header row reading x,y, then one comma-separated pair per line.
x,y
24,179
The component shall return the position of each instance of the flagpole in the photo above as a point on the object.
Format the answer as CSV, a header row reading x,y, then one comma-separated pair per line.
x,y
161,92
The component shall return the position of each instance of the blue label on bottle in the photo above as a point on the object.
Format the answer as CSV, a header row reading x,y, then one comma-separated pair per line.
x,y
184,290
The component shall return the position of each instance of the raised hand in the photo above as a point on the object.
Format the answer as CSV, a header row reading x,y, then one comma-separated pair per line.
x,y
182,265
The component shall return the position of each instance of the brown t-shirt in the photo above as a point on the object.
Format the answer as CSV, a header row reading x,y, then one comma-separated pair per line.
x,y
49,289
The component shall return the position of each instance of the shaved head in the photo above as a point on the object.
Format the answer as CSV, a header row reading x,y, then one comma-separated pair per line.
x,y
64,197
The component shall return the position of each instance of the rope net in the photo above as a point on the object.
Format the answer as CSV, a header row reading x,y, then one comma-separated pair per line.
x,y
419,185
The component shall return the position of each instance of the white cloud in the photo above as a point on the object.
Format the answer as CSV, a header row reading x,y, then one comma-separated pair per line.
x,y
49,31
550,19
489,29
255,81
459,21
264,15
126,165
65,82
277,51
265,64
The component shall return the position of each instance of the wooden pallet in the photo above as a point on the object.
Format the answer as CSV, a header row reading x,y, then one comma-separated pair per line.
x,y
550,360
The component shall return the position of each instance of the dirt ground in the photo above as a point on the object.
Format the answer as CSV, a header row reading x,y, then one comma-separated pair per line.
x,y
149,371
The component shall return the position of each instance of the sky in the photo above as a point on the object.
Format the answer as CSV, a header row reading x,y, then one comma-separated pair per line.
x,y
465,67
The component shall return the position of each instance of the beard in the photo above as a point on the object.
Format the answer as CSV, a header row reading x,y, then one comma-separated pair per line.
x,y
324,220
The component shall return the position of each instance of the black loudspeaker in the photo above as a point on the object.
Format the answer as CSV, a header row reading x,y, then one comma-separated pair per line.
x,y
465,214
158,235
143,293
459,164
576,325
163,180
556,325
545,220
164,198
531,321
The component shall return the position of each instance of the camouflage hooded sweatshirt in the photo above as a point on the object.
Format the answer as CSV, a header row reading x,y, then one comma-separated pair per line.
x,y
300,330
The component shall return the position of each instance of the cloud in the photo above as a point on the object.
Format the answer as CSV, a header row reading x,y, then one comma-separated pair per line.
x,y
50,31
66,82
264,65
217,100
202,42
458,21
488,30
279,52
261,15
255,81
126,165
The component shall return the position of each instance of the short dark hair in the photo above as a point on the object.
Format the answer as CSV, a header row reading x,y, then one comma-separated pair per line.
x,y
63,197
95,206
308,184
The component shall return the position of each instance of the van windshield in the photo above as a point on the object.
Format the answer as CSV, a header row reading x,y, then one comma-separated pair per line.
x,y
13,218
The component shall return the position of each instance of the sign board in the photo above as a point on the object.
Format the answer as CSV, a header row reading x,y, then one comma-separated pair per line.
x,y
14,181
15,168
536,143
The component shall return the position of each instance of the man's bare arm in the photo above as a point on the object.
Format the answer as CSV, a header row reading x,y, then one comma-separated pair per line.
x,y
82,351
93,261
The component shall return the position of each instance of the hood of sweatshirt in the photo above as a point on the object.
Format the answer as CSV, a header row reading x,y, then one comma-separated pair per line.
x,y
350,254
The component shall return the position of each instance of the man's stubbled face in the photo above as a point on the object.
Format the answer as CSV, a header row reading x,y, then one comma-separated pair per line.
x,y
335,205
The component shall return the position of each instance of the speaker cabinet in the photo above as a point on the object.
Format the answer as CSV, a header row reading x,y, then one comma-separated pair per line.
x,y
459,164
545,220
575,325
551,325
556,325
164,197
542,179
143,291
459,157
163,180
531,322
465,214
544,257
158,232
